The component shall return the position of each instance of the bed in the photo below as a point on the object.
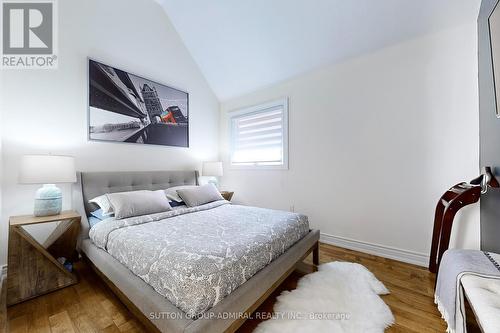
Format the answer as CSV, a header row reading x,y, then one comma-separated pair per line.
x,y
185,282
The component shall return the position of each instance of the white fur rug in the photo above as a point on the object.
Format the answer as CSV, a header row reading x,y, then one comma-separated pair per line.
x,y
340,298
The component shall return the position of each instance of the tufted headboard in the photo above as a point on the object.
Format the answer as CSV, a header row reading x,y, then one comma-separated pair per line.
x,y
92,184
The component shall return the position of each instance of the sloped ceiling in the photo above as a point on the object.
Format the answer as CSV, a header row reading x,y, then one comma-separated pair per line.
x,y
243,45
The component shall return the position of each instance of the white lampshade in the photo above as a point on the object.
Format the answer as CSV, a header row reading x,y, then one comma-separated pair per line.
x,y
213,169
47,169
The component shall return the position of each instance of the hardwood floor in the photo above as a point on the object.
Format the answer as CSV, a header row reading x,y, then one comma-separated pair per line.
x,y
90,307
412,290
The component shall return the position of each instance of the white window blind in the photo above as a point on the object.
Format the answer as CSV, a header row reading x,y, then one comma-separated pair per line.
x,y
259,135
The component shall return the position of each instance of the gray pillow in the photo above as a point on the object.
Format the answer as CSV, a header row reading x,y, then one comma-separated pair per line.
x,y
199,195
135,203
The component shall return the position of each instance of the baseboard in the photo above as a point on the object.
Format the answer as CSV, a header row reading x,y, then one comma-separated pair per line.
x,y
411,257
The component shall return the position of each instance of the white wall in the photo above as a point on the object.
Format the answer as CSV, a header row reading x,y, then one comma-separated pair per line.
x,y
375,141
2,108
46,110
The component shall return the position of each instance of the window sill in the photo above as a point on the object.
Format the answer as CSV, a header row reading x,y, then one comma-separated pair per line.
x,y
258,167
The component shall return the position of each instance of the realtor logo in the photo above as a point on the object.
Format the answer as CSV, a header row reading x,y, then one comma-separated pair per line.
x,y
29,34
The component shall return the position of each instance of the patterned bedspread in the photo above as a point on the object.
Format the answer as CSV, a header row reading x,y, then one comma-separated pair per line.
x,y
197,256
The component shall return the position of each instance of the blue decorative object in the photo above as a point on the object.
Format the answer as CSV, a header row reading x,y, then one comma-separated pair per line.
x,y
48,200
69,266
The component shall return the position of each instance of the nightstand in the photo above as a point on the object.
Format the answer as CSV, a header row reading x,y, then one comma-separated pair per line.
x,y
33,269
227,195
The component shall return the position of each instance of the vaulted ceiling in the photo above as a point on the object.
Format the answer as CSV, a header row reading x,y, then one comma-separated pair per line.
x,y
243,45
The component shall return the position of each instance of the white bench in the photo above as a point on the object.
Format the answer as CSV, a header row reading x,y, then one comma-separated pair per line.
x,y
483,295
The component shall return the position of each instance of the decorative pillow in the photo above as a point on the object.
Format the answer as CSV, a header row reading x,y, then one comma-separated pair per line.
x,y
135,203
199,195
171,192
93,221
103,202
99,214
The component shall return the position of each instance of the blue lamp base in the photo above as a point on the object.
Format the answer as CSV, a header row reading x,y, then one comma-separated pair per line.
x,y
48,200
214,181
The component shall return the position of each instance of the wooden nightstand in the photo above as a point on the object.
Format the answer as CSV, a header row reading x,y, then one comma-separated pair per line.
x,y
227,195
33,269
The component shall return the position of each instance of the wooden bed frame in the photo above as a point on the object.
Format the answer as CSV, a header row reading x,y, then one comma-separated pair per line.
x,y
236,324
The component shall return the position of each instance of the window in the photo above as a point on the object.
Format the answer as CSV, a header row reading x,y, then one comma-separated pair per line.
x,y
259,136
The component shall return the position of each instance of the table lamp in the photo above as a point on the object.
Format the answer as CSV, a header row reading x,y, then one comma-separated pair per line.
x,y
48,170
212,169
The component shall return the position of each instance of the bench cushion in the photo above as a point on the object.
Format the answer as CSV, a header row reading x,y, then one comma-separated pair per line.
x,y
483,294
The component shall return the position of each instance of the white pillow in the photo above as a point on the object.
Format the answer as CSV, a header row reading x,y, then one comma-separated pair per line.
x,y
199,195
136,203
103,202
171,192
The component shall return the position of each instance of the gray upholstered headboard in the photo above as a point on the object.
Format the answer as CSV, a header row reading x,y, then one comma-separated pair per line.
x,y
92,184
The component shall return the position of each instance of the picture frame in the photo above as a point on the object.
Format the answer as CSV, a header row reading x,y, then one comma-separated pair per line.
x,y
494,30
128,108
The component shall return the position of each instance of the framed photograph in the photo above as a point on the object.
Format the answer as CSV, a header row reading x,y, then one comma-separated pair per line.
x,y
124,107
494,25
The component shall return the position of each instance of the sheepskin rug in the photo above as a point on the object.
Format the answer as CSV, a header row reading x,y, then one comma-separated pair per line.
x,y
340,297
